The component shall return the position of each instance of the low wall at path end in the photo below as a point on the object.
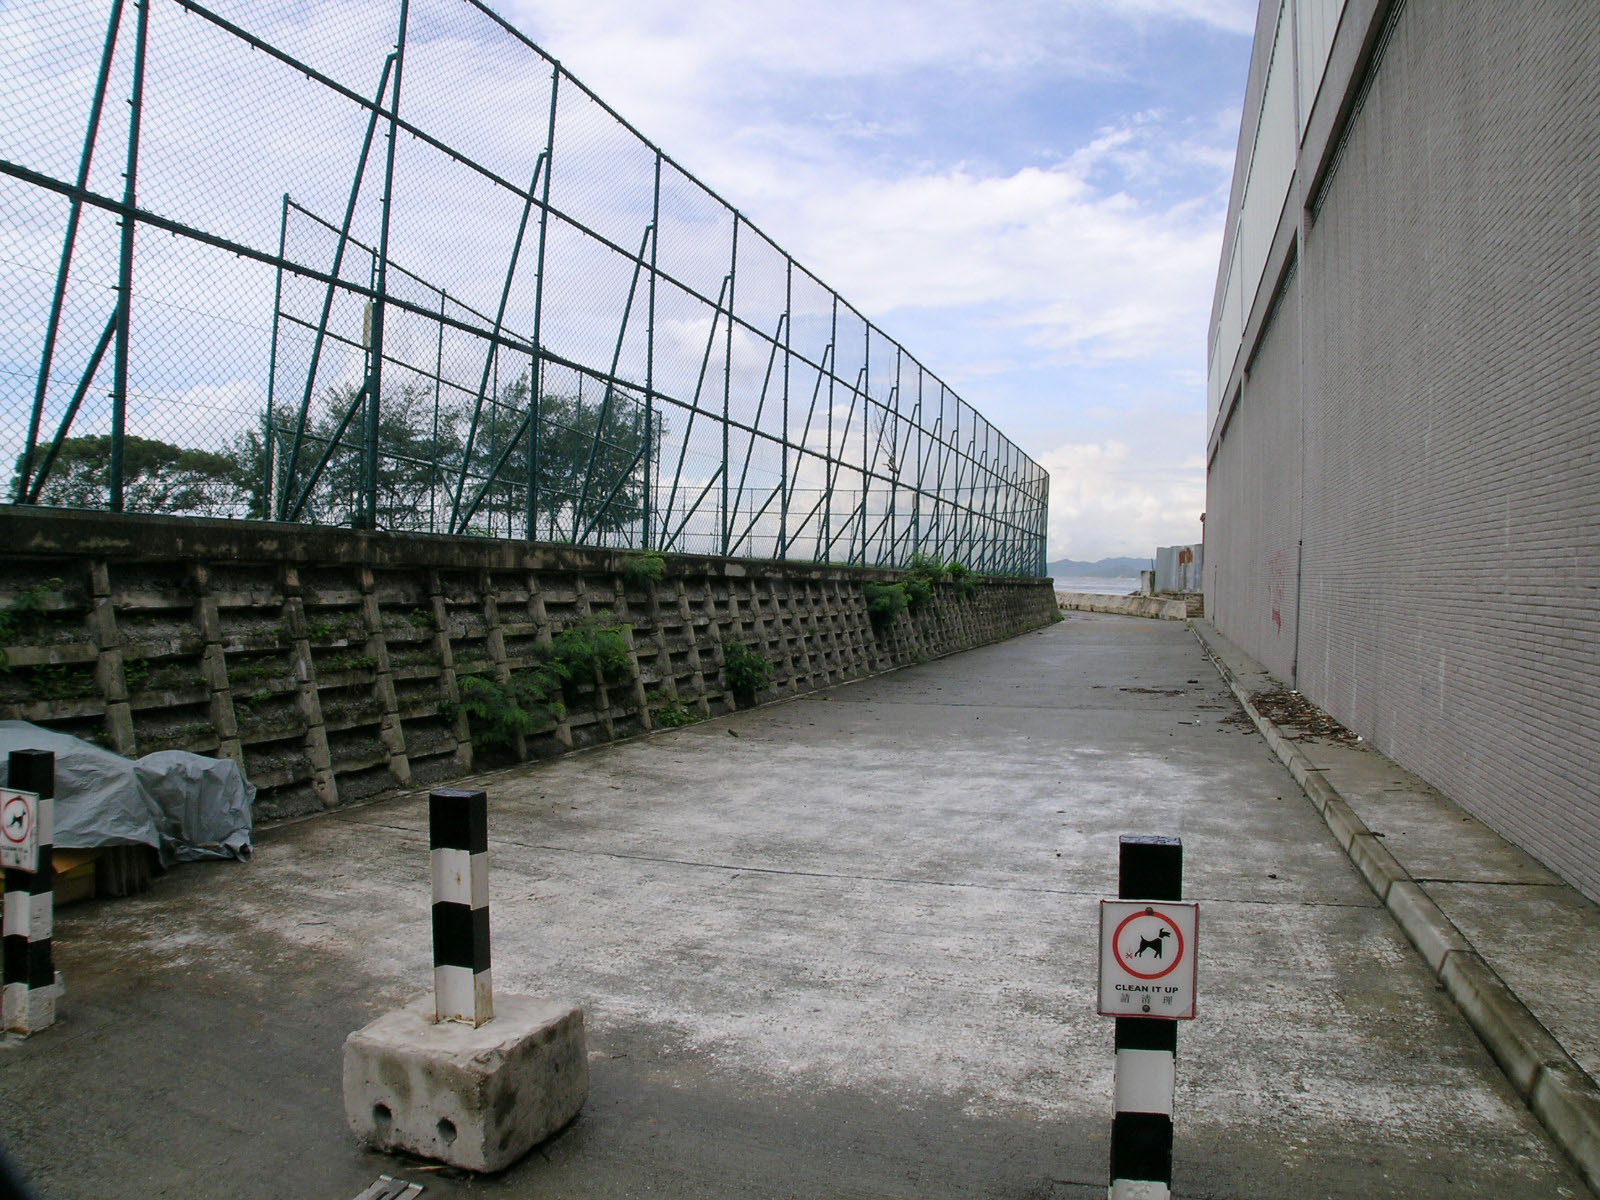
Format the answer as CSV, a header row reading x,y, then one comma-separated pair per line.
x,y
1159,607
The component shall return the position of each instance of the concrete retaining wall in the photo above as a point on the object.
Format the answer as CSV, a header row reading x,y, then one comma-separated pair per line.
x,y
320,658
1128,606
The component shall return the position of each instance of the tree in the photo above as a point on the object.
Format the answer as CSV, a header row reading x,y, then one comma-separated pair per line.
x,y
421,447
415,441
157,477
591,454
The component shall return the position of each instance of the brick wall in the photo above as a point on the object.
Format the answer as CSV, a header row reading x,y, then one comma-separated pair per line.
x,y
326,661
1450,588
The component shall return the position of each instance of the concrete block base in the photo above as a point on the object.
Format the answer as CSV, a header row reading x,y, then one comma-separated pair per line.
x,y
474,1098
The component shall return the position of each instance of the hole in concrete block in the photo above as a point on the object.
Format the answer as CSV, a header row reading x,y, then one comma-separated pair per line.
x,y
382,1118
447,1130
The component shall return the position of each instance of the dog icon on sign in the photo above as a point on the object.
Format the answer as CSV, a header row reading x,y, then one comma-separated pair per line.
x,y
1155,945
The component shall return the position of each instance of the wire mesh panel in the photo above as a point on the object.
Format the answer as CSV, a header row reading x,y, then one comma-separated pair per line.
x,y
388,265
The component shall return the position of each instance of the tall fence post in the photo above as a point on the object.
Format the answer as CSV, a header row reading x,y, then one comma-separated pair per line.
x,y
30,985
726,532
379,310
536,364
458,839
650,447
130,198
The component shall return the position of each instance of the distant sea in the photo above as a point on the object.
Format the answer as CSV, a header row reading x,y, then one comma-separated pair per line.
x,y
1099,585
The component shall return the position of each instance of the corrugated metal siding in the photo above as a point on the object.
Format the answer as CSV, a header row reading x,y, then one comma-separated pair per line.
x,y
1272,158
1450,605
1316,21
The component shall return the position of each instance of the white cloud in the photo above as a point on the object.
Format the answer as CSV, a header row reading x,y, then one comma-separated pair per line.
x,y
1106,500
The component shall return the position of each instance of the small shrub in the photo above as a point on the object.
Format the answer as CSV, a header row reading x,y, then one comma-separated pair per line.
x,y
746,671
962,579
885,602
918,589
497,713
578,652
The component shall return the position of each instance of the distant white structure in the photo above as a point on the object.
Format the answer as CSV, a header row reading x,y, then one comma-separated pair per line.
x,y
1178,568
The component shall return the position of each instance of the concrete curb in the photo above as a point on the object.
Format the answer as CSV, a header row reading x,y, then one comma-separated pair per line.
x,y
1555,1087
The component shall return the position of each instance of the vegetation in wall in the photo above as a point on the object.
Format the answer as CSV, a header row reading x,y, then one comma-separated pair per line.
x,y
641,571
497,713
925,573
335,663
668,712
141,676
885,602
746,671
23,617
576,654
349,627
63,681
536,697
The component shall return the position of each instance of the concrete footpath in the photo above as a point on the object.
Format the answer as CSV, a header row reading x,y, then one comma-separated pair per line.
x,y
1516,947
840,946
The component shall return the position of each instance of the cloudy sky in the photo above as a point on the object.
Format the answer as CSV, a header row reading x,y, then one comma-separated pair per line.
x,y
1029,194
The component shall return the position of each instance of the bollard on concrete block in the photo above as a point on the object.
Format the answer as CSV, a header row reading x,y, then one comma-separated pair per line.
x,y
455,1077
458,843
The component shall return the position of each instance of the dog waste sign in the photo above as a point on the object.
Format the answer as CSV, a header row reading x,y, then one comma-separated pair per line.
x,y
1147,958
19,830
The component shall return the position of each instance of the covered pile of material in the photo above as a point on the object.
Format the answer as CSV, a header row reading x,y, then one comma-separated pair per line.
x,y
183,806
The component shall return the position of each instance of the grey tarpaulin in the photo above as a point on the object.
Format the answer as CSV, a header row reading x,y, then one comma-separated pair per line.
x,y
185,806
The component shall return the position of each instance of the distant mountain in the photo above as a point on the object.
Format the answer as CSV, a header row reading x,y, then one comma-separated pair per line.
x,y
1106,568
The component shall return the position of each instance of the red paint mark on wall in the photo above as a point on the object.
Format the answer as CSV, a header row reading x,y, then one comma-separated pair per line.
x,y
1280,572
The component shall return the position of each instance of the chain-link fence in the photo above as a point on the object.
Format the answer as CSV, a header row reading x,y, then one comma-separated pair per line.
x,y
392,267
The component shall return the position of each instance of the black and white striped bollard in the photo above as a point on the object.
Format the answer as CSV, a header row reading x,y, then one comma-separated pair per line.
x,y
1149,868
458,835
30,984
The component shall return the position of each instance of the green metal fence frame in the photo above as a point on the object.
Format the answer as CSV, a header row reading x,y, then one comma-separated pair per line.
x,y
986,506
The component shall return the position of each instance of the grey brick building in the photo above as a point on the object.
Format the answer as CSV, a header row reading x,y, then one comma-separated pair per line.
x,y
1403,511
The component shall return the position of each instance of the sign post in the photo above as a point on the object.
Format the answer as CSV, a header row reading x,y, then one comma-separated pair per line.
x,y
27,836
1148,947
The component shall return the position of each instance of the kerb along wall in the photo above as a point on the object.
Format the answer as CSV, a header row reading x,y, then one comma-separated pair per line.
x,y
335,665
